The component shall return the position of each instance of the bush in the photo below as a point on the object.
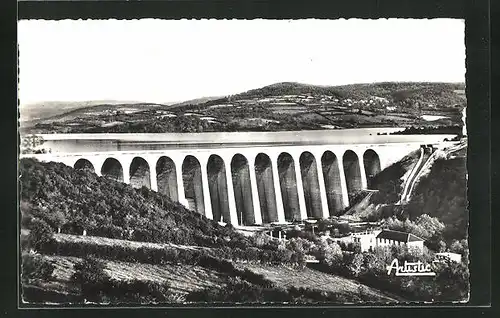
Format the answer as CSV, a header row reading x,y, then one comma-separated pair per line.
x,y
34,267
450,284
244,292
97,286
329,253
40,234
92,279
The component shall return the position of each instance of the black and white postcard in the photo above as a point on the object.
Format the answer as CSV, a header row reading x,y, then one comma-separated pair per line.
x,y
178,162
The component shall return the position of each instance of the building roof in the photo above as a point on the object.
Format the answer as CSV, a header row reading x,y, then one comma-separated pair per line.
x,y
448,254
398,236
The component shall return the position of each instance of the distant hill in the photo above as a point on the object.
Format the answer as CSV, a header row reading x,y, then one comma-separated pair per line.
x,y
195,101
35,112
437,93
277,107
41,110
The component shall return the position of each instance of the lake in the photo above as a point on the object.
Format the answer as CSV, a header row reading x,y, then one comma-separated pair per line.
x,y
125,141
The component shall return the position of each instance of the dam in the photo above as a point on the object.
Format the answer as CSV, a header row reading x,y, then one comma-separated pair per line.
x,y
243,178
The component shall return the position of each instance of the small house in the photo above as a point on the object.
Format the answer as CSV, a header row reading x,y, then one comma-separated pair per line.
x,y
390,237
368,240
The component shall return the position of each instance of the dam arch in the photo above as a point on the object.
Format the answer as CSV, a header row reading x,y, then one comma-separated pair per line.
x,y
352,172
242,187
333,182
265,188
193,186
217,185
371,162
166,178
140,175
310,182
84,164
112,169
288,186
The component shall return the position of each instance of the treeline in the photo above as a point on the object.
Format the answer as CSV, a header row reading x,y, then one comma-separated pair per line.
x,y
445,130
401,93
273,252
238,291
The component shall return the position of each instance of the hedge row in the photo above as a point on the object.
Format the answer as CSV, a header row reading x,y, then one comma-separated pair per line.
x,y
152,256
169,255
243,292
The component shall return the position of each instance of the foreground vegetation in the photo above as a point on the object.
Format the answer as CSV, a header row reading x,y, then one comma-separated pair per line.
x,y
57,201
56,198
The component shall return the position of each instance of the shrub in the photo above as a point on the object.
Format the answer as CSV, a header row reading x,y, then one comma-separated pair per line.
x,y
330,253
96,285
92,279
111,231
36,267
40,234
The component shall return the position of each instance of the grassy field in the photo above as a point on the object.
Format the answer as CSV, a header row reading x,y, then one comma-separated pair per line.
x,y
187,278
182,278
286,277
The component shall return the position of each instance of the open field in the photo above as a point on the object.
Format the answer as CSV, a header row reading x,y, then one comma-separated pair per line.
x,y
186,278
285,277
182,278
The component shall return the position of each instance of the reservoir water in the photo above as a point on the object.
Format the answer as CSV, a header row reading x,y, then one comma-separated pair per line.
x,y
145,141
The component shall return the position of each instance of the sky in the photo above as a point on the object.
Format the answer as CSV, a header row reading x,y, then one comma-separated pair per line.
x,y
175,60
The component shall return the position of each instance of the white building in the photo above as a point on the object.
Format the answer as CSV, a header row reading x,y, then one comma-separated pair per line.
x,y
366,240
390,237
449,256
369,240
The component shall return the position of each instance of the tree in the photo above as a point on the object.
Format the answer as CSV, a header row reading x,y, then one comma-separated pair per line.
x,y
330,253
91,277
36,267
356,264
40,234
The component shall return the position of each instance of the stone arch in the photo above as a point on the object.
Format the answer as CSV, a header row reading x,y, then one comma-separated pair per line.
x,y
371,163
352,172
333,185
167,178
242,187
140,175
312,196
265,188
288,186
193,187
112,168
84,164
217,186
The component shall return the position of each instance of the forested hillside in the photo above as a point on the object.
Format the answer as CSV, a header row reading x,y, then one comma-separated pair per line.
x,y
443,94
77,200
443,194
